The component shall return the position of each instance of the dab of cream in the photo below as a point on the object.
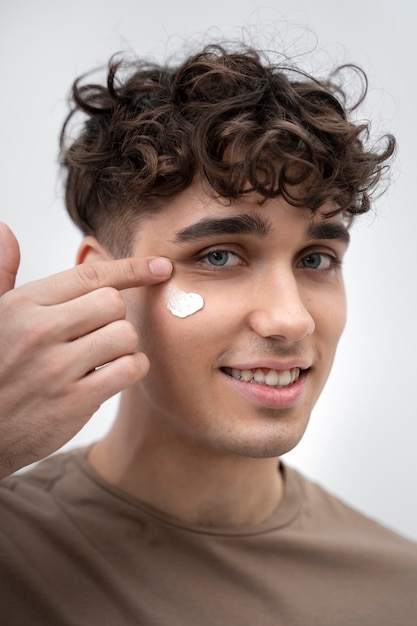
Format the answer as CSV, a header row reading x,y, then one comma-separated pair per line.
x,y
181,303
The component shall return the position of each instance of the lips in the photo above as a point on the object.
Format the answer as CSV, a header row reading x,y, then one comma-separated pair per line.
x,y
265,376
269,388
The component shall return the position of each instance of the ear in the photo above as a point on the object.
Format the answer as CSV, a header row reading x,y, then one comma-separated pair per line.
x,y
91,251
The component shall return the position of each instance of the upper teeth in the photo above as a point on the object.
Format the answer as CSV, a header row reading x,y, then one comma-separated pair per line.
x,y
272,378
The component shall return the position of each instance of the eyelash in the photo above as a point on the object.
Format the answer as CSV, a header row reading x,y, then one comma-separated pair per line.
x,y
333,261
204,259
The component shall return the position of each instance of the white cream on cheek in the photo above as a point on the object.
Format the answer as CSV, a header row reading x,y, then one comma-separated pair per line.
x,y
181,303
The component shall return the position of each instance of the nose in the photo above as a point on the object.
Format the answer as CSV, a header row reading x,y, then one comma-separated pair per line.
x,y
279,309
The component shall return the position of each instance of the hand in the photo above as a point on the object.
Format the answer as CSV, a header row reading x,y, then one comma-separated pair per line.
x,y
55,334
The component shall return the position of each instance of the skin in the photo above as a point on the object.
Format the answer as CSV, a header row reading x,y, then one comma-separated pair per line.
x,y
54,333
186,440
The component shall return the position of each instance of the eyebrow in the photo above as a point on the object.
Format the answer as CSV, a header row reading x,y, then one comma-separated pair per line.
x,y
246,224
328,230
254,224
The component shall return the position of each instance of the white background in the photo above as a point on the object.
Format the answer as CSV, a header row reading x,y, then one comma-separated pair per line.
x,y
363,434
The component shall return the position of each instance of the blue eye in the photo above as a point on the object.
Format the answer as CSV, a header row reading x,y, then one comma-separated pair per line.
x,y
221,258
318,261
218,257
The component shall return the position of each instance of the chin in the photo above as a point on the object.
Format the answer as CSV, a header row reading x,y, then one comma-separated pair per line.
x,y
267,445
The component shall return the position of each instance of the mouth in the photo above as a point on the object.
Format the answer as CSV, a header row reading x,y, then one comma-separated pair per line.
x,y
277,379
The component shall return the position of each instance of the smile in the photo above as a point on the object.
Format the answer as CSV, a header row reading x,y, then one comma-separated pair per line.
x,y
269,377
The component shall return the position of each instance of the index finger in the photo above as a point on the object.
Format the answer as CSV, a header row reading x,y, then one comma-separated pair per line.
x,y
87,277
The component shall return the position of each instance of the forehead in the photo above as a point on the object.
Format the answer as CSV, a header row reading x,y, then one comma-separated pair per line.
x,y
194,214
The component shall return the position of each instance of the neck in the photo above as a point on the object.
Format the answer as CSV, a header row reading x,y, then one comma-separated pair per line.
x,y
196,485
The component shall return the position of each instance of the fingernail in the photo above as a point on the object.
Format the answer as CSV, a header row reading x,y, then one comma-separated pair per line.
x,y
160,266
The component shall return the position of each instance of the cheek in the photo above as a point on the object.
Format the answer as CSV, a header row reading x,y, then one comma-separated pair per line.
x,y
182,303
166,317
340,312
330,318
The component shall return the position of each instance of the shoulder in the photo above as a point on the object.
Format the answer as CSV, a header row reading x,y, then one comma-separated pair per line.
x,y
323,514
36,488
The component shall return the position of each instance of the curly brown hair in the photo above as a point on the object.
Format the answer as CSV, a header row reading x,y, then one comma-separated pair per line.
x,y
233,119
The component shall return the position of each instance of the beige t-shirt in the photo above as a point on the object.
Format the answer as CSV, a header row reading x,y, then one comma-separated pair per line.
x,y
76,551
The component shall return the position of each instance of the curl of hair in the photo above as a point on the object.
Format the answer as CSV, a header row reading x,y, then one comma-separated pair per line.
x,y
238,123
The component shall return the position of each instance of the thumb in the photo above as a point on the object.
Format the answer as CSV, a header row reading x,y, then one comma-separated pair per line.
x,y
9,259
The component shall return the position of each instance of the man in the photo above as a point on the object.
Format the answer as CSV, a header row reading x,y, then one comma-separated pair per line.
x,y
215,199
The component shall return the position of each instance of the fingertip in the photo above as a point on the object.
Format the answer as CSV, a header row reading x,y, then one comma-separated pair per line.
x,y
160,267
8,237
142,363
9,258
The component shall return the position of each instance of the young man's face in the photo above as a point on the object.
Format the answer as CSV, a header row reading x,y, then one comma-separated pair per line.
x,y
242,374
